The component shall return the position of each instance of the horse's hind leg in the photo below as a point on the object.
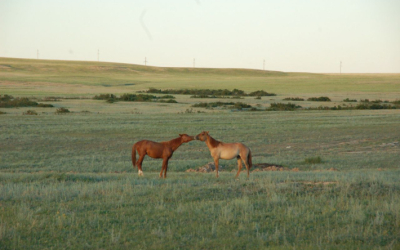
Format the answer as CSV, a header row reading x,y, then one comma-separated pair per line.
x,y
139,164
239,166
246,163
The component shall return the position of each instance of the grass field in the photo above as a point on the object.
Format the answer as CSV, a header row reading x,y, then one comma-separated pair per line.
x,y
74,78
67,181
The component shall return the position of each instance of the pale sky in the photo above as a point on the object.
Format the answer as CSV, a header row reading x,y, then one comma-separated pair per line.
x,y
291,36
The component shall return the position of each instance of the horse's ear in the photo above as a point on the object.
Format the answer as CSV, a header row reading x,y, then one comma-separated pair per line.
x,y
207,132
180,134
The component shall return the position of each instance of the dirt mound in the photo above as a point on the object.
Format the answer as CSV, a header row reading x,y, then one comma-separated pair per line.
x,y
259,167
271,167
323,170
208,168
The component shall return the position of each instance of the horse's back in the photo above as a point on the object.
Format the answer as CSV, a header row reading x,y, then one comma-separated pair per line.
x,y
146,144
229,151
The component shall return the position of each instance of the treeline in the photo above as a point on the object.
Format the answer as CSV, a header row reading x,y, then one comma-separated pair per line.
x,y
8,101
209,92
135,98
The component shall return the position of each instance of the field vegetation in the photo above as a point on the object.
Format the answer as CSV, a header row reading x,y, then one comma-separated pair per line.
x,y
67,181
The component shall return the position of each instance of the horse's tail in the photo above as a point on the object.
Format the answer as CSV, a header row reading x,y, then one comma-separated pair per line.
x,y
249,159
134,155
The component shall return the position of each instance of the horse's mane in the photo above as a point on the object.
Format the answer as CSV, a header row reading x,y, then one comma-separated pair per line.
x,y
214,143
173,141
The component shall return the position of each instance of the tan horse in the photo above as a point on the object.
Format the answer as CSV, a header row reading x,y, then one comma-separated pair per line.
x,y
227,151
162,150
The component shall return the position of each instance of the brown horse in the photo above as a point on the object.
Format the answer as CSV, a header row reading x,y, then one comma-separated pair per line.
x,y
227,151
157,150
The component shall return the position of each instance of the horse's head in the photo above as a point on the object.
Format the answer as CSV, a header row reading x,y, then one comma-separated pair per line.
x,y
186,137
202,136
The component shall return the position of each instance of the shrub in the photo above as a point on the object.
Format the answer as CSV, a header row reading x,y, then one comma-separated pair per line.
x,y
374,106
208,92
7,101
4,98
62,111
397,102
283,107
349,100
319,99
168,101
203,96
261,93
30,112
293,99
237,105
241,105
313,160
2,113
137,98
105,97
211,104
364,100
43,105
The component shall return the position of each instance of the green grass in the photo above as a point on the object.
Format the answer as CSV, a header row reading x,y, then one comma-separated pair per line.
x,y
67,181
196,211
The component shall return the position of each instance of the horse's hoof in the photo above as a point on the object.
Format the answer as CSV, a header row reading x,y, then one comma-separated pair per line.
x,y
140,173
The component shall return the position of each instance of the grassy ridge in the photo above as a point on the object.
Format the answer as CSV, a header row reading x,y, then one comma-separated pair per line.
x,y
46,77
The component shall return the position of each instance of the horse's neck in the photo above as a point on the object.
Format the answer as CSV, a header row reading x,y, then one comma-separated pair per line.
x,y
212,143
175,143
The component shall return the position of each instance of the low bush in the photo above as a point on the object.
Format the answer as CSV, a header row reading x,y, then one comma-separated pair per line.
x,y
2,113
298,99
313,160
374,106
208,92
283,107
211,104
105,97
43,105
62,111
237,105
203,96
319,99
8,101
30,112
241,105
349,100
136,98
168,101
261,93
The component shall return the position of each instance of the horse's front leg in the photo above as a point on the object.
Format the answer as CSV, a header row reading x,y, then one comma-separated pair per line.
x,y
164,168
216,161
